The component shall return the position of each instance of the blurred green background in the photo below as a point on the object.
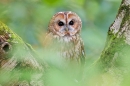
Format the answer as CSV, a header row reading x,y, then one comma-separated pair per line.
x,y
29,19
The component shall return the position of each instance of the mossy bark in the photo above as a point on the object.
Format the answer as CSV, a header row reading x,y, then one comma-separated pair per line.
x,y
113,64
17,61
118,40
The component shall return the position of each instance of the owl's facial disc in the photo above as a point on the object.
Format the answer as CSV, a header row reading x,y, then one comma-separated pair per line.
x,y
67,24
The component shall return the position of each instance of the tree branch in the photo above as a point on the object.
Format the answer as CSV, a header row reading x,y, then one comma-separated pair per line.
x,y
17,59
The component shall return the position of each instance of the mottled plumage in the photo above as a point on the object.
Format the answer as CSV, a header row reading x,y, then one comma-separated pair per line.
x,y
64,36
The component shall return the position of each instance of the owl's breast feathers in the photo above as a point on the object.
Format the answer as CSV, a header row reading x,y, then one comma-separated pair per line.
x,y
69,47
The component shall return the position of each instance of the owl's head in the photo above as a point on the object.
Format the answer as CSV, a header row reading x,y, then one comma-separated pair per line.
x,y
65,24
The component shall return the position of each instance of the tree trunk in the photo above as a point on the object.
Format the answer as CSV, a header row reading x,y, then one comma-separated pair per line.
x,y
18,64
113,64
117,47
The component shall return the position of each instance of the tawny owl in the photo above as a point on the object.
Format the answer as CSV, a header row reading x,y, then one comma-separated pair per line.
x,y
64,34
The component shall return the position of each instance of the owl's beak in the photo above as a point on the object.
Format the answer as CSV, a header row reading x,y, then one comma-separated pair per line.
x,y
67,32
66,29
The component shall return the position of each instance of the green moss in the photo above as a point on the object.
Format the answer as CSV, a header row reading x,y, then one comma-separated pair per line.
x,y
13,38
115,44
127,14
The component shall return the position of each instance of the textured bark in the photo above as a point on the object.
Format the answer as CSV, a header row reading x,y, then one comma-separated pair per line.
x,y
118,40
112,66
17,61
114,59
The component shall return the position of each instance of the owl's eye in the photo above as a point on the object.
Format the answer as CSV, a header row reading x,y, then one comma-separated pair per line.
x,y
60,23
71,22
